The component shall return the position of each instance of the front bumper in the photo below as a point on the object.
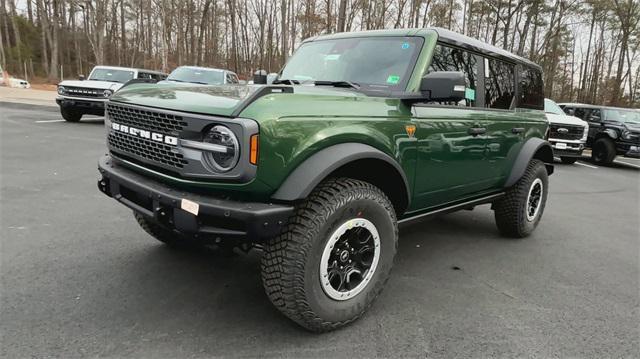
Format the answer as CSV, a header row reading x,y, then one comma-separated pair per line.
x,y
564,148
628,149
86,105
216,218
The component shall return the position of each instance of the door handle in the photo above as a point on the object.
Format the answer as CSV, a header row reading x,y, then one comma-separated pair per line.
x,y
475,131
517,130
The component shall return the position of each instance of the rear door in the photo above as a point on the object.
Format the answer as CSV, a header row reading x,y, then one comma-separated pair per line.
x,y
506,125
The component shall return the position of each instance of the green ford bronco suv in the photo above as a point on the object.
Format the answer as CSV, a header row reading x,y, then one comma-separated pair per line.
x,y
359,132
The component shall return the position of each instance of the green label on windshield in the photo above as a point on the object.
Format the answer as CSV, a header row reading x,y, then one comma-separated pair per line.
x,y
393,79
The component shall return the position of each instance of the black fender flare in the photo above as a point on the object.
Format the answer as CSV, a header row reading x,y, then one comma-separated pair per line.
x,y
302,180
533,148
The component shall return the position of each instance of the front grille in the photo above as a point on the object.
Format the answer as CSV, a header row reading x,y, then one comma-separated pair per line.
x,y
83,92
145,119
565,132
146,149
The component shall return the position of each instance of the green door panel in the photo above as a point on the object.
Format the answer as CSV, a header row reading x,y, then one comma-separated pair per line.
x,y
451,162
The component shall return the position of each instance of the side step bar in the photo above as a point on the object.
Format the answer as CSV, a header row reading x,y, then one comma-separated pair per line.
x,y
453,207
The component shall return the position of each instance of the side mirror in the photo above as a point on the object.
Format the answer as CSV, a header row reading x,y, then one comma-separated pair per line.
x,y
444,86
260,77
81,77
570,112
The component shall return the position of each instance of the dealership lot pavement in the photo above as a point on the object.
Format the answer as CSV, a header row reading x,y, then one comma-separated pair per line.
x,y
80,279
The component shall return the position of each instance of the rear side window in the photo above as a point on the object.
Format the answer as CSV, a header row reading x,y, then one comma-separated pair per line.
x,y
500,84
580,113
452,59
531,89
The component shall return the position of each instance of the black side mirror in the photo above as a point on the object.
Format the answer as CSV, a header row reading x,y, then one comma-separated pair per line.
x,y
81,77
260,77
444,86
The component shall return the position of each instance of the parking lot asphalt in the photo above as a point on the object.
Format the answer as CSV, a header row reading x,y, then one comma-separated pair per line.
x,y
79,278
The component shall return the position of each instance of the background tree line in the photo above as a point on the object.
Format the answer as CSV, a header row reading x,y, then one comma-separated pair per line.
x,y
587,48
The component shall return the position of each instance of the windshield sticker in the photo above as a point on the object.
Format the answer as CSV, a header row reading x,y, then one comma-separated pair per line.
x,y
393,79
470,94
405,45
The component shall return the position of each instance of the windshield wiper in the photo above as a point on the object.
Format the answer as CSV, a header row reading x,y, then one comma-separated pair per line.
x,y
338,84
286,82
176,80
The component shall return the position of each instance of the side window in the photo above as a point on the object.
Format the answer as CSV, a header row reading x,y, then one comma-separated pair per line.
x,y
499,84
234,77
580,113
451,59
531,89
144,75
595,115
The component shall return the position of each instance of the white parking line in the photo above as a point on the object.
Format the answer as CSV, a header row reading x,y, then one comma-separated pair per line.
x,y
586,165
627,164
47,121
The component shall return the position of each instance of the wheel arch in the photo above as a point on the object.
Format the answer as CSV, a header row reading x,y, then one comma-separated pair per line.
x,y
533,148
353,160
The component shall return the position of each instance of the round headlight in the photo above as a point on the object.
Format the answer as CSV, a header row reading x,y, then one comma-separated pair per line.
x,y
61,90
226,156
107,93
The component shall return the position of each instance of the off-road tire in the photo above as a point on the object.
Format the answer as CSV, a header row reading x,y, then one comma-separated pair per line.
x,y
510,211
291,261
568,160
603,151
70,115
166,236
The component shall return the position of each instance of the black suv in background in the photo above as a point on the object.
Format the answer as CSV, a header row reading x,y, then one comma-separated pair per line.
x,y
612,130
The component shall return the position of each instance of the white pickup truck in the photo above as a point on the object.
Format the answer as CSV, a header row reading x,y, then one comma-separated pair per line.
x,y
80,97
567,134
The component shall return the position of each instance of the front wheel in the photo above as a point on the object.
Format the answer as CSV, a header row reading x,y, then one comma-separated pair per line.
x,y
603,151
517,213
70,115
568,160
336,254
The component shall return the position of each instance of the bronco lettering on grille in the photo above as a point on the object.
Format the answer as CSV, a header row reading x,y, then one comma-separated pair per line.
x,y
154,136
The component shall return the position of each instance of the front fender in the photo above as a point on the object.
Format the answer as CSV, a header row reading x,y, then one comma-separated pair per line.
x,y
314,169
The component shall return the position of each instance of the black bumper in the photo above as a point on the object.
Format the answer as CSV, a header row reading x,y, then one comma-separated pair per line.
x,y
86,106
217,219
628,149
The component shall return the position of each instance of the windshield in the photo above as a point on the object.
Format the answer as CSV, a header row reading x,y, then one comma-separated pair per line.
x,y
552,107
199,76
384,62
622,115
111,75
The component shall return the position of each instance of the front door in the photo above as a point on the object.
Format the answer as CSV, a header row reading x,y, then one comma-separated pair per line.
x,y
451,154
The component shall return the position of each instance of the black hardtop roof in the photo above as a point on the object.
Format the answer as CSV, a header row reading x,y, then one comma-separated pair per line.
x,y
471,44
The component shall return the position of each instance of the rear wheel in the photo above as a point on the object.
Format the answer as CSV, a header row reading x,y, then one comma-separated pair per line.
x,y
70,115
517,213
603,151
569,160
333,259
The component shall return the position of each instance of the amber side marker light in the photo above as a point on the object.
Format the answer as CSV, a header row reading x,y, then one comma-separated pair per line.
x,y
253,150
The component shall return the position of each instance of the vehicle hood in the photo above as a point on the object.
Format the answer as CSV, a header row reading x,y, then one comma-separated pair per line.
x,y
231,100
90,84
635,127
565,120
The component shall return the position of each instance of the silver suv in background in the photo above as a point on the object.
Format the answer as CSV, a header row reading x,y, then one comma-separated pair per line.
x,y
201,75
80,97
567,134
